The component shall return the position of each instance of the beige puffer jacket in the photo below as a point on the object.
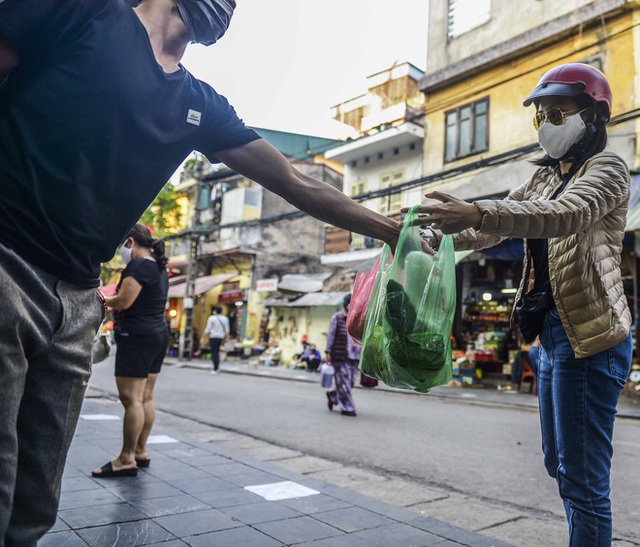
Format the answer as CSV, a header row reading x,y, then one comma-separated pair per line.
x,y
585,227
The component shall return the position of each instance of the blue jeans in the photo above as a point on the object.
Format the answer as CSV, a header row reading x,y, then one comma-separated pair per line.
x,y
578,399
46,333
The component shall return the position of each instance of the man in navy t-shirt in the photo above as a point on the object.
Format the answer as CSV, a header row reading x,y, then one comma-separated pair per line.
x,y
96,113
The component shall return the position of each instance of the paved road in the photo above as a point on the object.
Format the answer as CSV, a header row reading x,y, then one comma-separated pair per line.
x,y
488,453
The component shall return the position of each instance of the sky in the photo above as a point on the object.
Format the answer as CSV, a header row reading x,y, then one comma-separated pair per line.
x,y
284,63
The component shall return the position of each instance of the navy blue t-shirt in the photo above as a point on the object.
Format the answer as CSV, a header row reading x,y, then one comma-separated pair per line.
x,y
91,128
146,314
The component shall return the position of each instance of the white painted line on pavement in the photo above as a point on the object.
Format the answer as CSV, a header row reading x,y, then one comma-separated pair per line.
x,y
281,490
160,439
98,417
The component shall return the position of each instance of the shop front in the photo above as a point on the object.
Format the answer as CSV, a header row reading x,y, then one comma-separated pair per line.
x,y
487,285
304,320
177,301
233,302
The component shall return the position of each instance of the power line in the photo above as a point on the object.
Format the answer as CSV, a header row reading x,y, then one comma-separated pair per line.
x,y
449,173
491,161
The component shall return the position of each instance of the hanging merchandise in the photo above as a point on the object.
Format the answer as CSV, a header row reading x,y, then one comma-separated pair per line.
x,y
406,342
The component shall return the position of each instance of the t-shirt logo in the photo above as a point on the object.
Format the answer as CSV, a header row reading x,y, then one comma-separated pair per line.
x,y
193,117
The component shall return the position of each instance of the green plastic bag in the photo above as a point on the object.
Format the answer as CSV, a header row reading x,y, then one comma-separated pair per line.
x,y
406,341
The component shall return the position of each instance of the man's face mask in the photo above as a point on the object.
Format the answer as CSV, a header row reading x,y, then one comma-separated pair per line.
x,y
206,20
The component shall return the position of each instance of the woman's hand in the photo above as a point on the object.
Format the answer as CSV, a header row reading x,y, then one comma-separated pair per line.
x,y
451,215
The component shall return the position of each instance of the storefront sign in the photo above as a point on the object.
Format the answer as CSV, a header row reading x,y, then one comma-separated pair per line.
x,y
267,285
230,296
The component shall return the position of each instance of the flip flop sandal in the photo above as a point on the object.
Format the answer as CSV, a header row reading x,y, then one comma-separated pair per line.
x,y
107,471
144,462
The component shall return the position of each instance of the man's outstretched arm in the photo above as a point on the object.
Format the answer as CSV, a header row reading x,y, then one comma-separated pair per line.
x,y
261,162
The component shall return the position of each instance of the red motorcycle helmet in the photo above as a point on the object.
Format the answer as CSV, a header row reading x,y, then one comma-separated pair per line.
x,y
573,80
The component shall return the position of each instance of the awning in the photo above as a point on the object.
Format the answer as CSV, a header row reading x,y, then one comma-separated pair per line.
x,y
633,219
370,263
312,300
351,259
319,299
509,249
203,284
633,216
461,255
306,283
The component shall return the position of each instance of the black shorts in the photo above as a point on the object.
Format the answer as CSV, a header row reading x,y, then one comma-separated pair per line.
x,y
138,355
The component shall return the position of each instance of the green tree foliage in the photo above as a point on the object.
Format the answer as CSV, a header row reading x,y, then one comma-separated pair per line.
x,y
195,164
163,216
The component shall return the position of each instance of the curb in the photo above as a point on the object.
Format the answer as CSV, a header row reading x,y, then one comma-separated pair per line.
x,y
248,369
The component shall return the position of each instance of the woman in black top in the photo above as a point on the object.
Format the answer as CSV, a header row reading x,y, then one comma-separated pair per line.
x,y
141,340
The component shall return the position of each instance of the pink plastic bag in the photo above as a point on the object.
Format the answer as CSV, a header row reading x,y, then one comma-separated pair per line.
x,y
361,294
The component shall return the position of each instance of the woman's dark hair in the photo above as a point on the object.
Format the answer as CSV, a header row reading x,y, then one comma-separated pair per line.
x,y
592,143
142,236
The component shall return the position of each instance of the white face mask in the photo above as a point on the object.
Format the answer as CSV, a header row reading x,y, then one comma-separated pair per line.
x,y
125,254
556,140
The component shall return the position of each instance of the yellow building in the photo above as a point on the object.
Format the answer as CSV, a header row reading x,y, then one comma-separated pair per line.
x,y
479,137
484,58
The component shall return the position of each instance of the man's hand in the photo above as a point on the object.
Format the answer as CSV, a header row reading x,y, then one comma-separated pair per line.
x,y
450,216
429,244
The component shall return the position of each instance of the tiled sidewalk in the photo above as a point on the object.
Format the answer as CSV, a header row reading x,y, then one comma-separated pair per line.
x,y
196,493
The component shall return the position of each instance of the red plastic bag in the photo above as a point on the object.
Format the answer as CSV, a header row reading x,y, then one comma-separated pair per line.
x,y
367,381
361,294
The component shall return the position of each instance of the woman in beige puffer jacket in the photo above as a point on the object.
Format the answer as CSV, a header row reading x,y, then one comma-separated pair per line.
x,y
572,214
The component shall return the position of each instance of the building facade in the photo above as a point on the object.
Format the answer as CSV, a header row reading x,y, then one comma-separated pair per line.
x,y
387,153
484,58
243,234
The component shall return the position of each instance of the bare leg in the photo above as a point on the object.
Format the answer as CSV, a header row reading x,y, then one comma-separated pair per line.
x,y
130,391
149,417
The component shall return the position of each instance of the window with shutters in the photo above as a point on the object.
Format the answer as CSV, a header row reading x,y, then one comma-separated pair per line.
x,y
391,204
465,15
467,130
358,187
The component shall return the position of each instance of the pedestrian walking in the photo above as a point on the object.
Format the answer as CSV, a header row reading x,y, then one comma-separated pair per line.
x,y
142,337
344,355
572,214
96,114
217,329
